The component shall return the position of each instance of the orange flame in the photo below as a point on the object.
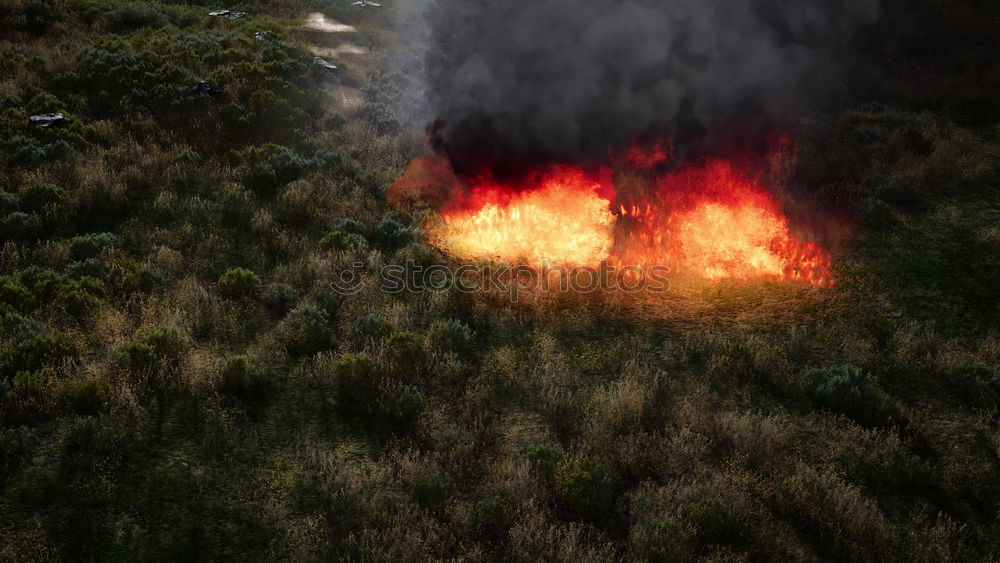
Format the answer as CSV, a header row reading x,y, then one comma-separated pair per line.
x,y
563,221
707,221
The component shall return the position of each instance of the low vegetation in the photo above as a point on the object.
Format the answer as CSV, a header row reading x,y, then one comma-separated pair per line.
x,y
178,381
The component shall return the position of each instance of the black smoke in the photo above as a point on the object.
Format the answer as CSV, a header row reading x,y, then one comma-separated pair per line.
x,y
517,81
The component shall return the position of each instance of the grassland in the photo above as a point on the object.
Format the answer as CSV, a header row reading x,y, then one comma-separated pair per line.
x,y
178,382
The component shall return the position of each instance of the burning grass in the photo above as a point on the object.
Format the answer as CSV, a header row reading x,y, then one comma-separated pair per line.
x,y
706,220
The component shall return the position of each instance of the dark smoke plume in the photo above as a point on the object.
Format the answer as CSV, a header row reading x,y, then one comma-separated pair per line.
x,y
515,81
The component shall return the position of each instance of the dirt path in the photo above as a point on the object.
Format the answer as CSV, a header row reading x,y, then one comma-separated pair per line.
x,y
342,96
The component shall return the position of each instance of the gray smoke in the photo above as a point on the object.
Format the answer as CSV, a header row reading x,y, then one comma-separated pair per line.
x,y
516,80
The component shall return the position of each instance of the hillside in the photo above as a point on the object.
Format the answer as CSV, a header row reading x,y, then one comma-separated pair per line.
x,y
179,380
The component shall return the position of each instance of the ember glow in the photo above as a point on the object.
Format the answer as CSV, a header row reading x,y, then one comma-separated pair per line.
x,y
706,220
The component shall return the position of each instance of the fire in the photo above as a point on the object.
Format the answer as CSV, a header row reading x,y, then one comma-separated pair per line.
x,y
706,220
562,221
712,222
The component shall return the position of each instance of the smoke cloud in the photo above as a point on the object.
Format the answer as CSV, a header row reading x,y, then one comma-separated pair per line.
x,y
514,81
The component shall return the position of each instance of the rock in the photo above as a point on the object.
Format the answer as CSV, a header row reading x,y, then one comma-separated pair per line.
x,y
47,120
323,64
366,4
228,14
206,88
265,36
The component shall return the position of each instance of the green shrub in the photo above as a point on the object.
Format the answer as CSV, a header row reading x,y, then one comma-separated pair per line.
x,y
125,17
451,335
357,384
845,389
543,458
588,488
161,348
401,407
261,179
9,203
144,280
20,226
239,283
713,519
16,326
279,298
370,327
339,240
306,331
405,353
90,397
169,343
36,197
91,267
659,539
348,225
434,489
15,295
137,357
242,379
39,16
76,302
493,514
978,386
90,245
392,234
33,353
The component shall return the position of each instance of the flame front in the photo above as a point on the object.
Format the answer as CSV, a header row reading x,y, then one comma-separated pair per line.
x,y
563,221
706,221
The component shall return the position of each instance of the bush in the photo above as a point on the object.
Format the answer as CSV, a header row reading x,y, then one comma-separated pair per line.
x,y
39,16
242,379
392,234
543,458
978,386
451,335
137,357
20,226
17,326
493,514
91,267
15,295
161,348
90,397
845,389
125,17
434,489
279,298
33,353
306,331
90,245
713,519
238,283
144,280
339,240
357,383
9,203
659,539
405,353
348,225
76,302
370,327
402,406
36,197
588,488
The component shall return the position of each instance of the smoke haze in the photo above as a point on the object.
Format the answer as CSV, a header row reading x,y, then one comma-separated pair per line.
x,y
519,80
